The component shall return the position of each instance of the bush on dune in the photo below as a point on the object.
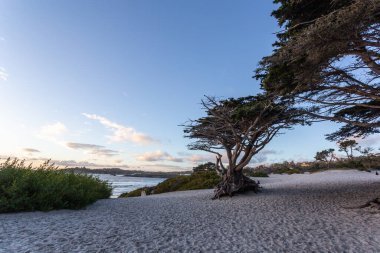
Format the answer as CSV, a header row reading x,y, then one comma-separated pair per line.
x,y
23,188
253,173
195,181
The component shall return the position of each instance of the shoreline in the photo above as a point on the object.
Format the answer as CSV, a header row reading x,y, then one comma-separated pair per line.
x,y
293,213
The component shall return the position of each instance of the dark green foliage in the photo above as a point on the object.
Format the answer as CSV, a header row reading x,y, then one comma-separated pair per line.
x,y
326,62
241,127
348,146
253,173
289,171
325,155
195,181
23,188
282,168
367,162
137,192
199,180
291,14
205,167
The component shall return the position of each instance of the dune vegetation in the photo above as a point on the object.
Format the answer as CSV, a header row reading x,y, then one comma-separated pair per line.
x,y
195,181
45,188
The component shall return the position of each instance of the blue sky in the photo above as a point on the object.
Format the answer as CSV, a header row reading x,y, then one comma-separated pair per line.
x,y
107,83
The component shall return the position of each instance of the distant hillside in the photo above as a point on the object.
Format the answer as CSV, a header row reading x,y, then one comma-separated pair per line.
x,y
130,173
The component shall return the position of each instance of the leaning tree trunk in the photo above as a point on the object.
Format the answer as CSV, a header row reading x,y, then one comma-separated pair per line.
x,y
234,182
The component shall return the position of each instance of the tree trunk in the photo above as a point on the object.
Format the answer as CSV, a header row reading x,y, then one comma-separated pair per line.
x,y
234,182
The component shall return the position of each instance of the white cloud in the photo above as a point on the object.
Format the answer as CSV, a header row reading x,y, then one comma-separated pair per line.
x,y
85,146
158,156
72,163
369,141
201,158
121,133
269,152
3,74
162,167
104,152
53,131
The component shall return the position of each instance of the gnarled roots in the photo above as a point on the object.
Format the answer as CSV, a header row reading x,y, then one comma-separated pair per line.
x,y
234,183
374,203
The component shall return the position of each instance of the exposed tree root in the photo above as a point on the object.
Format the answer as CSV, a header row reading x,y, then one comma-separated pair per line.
x,y
374,203
235,183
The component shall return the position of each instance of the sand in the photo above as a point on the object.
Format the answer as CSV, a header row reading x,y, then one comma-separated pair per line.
x,y
293,213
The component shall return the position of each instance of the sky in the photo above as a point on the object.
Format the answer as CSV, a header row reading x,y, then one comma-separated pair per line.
x,y
108,83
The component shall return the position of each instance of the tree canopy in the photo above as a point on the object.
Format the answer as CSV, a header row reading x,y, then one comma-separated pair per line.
x,y
240,128
327,61
348,146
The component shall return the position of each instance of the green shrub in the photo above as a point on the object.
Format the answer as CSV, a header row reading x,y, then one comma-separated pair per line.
x,y
195,181
137,192
23,188
289,171
256,174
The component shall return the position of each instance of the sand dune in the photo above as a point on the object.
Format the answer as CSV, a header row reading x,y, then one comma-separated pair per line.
x,y
293,213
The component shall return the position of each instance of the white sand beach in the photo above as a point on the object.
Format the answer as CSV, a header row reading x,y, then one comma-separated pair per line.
x,y
293,213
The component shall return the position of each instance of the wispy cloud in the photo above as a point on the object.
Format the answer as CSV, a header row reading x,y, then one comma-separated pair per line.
x,y
162,167
201,158
104,152
263,156
73,163
67,163
31,150
52,131
84,146
3,74
158,156
93,149
121,133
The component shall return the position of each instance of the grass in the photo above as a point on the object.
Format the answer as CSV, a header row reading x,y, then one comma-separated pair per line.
x,y
195,181
23,188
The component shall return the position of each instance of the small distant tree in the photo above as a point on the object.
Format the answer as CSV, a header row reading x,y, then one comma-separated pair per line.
x,y
209,166
347,146
367,156
365,151
326,155
240,128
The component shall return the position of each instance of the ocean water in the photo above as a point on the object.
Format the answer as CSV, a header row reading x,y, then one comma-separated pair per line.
x,y
121,184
